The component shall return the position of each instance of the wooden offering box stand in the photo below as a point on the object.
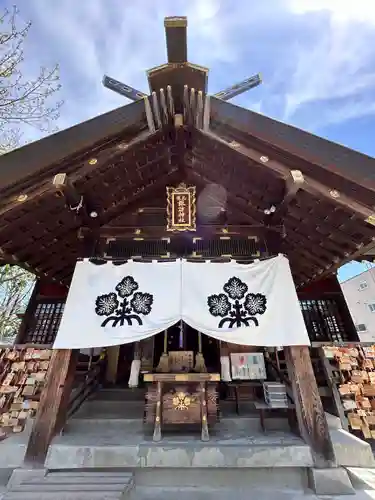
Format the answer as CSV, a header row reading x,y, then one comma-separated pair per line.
x,y
181,398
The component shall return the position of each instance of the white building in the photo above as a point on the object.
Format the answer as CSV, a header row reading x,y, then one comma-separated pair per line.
x,y
359,293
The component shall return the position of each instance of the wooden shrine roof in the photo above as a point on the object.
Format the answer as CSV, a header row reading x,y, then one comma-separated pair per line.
x,y
117,165
122,161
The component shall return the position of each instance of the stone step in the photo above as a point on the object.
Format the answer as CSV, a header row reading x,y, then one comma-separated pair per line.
x,y
227,425
119,394
205,493
61,495
289,478
115,447
95,409
220,484
42,485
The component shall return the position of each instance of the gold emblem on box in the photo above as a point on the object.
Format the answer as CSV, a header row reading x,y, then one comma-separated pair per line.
x,y
181,401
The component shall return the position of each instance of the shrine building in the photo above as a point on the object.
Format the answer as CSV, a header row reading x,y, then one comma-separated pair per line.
x,y
186,252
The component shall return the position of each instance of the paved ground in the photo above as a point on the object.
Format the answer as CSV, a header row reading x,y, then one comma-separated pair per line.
x,y
160,493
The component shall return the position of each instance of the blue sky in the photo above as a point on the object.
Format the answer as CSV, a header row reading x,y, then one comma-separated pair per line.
x,y
317,57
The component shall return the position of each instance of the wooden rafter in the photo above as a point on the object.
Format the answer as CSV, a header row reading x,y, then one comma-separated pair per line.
x,y
83,164
310,185
250,213
310,254
302,240
172,176
322,226
118,149
353,256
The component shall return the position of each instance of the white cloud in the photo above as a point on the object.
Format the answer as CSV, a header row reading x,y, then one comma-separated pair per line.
x,y
342,10
317,56
338,64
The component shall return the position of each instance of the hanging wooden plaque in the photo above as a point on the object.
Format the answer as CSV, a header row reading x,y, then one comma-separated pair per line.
x,y
181,209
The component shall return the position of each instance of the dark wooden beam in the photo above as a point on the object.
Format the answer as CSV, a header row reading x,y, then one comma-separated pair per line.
x,y
311,417
22,198
130,232
32,160
314,187
176,35
122,89
239,88
52,406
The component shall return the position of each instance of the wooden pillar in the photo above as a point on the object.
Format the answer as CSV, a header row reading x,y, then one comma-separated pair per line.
x,y
311,418
28,316
53,405
113,354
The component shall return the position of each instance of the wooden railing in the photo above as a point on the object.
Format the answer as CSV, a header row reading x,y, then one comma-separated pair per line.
x,y
89,384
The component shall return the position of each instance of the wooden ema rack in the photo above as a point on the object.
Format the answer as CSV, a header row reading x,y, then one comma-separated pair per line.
x,y
353,370
22,376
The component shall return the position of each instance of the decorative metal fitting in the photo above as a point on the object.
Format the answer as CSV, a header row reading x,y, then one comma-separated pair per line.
x,y
78,207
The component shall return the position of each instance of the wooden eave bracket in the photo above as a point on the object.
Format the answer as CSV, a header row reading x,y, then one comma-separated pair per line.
x,y
293,183
314,187
73,199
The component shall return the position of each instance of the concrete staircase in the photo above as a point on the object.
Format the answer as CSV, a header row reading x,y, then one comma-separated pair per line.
x,y
69,485
106,452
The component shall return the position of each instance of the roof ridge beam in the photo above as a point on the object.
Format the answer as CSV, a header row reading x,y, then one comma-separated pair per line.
x,y
176,38
314,187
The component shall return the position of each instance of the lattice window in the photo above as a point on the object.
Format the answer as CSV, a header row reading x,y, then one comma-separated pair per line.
x,y
126,249
233,247
43,326
324,321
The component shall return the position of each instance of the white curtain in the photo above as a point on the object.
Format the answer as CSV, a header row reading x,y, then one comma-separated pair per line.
x,y
111,305
254,304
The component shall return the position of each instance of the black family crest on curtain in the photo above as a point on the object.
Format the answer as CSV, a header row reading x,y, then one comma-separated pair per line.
x,y
235,306
126,305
